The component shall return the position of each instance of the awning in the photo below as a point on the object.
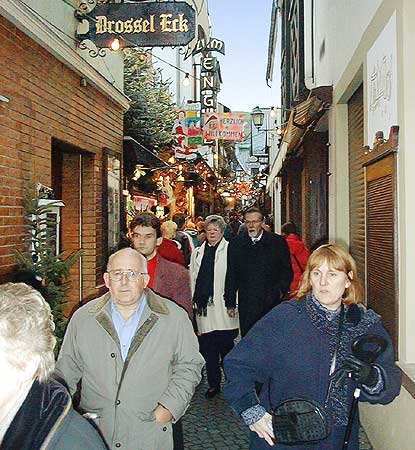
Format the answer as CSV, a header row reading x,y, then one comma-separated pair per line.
x,y
303,118
136,153
276,167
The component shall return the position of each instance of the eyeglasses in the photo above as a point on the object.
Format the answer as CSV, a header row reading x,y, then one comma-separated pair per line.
x,y
116,275
252,222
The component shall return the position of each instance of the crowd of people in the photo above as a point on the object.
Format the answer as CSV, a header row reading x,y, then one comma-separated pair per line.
x,y
287,329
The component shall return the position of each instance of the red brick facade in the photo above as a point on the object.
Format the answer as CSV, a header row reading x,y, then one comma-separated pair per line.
x,y
52,121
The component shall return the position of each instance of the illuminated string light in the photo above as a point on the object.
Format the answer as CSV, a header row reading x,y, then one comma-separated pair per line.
x,y
117,44
186,80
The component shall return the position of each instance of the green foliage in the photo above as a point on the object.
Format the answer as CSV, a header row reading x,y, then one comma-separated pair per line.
x,y
39,266
152,113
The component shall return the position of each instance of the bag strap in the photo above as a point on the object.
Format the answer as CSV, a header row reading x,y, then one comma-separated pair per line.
x,y
298,263
334,359
332,364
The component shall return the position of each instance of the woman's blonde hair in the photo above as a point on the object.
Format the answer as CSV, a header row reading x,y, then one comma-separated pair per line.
x,y
336,258
27,328
168,229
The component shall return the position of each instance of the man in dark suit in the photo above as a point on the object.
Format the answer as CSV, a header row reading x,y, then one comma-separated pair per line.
x,y
259,271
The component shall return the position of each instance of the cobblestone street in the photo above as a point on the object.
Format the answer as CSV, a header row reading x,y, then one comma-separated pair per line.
x,y
211,425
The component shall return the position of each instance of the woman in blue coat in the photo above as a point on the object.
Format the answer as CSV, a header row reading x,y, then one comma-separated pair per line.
x,y
297,349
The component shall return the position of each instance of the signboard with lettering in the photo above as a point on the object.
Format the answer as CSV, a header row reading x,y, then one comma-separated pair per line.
x,y
209,83
212,45
226,126
155,24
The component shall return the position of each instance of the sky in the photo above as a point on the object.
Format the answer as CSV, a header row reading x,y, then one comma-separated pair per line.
x,y
244,27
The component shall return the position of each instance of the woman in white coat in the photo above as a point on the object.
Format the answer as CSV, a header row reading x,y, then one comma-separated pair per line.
x,y
217,325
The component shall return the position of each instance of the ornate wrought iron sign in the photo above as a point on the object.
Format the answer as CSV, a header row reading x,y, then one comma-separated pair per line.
x,y
212,45
157,24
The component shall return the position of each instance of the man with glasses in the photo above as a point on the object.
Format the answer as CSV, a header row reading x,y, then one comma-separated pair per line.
x,y
259,271
135,356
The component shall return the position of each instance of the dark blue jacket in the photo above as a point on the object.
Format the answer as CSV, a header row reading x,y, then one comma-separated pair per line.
x,y
46,420
290,354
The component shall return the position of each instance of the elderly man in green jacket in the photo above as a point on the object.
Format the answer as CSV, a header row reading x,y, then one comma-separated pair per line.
x,y
136,356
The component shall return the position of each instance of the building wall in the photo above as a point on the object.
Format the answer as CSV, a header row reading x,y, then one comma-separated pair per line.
x,y
47,102
58,15
332,22
389,427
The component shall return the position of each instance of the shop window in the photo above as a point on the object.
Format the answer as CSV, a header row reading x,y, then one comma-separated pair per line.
x,y
111,202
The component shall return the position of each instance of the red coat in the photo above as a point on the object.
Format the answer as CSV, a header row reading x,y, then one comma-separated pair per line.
x,y
172,281
169,250
300,251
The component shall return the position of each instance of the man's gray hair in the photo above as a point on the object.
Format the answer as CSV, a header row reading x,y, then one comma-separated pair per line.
x,y
27,328
217,220
140,256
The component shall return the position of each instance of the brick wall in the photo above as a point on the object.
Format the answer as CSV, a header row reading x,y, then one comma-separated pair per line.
x,y
47,102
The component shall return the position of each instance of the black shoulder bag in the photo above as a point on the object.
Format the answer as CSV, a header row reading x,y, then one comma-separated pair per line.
x,y
300,420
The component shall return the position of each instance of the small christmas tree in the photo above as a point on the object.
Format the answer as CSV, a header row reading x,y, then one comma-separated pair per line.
x,y
39,265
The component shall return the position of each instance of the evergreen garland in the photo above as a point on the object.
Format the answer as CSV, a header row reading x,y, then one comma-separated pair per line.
x,y
152,112
39,265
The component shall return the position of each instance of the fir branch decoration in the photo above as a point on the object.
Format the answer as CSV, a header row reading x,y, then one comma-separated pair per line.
x,y
152,112
39,265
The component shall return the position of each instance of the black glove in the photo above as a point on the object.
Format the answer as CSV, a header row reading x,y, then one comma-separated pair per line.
x,y
360,371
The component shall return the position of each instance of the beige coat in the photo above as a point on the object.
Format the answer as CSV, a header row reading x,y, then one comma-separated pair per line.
x,y
217,317
163,366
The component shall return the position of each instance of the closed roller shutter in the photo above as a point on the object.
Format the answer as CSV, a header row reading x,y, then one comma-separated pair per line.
x,y
381,267
356,181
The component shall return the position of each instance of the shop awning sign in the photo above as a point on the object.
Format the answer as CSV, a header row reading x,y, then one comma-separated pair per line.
x,y
156,24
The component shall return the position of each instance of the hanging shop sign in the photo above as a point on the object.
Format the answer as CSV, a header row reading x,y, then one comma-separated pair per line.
x,y
188,132
210,80
211,45
143,203
226,126
155,24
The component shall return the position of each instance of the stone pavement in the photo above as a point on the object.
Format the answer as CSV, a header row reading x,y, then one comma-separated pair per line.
x,y
211,425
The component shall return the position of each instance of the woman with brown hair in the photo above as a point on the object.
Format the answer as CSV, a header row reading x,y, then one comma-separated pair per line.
x,y
304,353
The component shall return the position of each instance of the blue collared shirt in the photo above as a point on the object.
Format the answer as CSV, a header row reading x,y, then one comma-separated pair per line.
x,y
126,328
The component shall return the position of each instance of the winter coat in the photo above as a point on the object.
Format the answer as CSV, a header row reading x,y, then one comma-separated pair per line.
x,y
163,366
194,241
290,350
217,317
170,251
47,421
260,274
299,254
172,281
184,240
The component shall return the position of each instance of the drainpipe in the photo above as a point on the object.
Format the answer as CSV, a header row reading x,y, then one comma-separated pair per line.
x,y
80,227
